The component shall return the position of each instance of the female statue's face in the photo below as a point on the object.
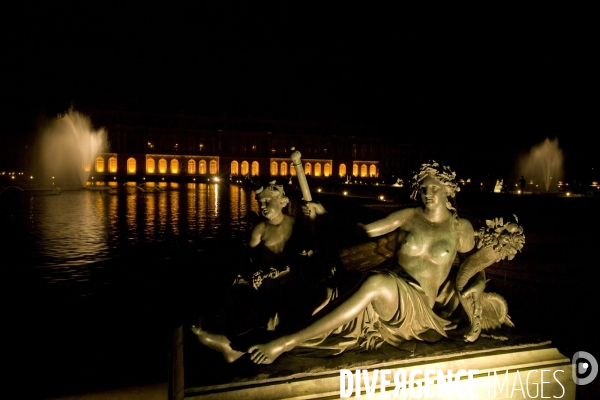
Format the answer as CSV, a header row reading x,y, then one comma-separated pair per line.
x,y
270,207
432,192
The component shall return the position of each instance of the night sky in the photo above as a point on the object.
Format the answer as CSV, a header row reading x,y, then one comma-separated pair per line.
x,y
490,80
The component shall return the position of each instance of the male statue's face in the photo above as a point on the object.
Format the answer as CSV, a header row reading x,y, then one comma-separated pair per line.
x,y
432,192
270,207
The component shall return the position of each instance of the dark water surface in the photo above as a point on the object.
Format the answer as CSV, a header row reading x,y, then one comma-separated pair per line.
x,y
94,281
93,278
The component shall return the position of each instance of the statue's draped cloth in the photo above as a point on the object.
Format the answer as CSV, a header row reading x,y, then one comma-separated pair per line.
x,y
413,321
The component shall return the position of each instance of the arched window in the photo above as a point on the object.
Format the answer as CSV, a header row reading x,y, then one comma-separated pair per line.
x,y
162,166
112,164
327,170
245,168
150,165
372,170
354,169
292,169
131,166
342,171
234,167
174,166
254,168
191,169
307,168
283,169
274,169
202,167
363,170
213,167
318,169
99,164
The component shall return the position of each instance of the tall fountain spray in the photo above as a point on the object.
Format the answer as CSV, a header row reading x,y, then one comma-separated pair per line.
x,y
68,149
544,164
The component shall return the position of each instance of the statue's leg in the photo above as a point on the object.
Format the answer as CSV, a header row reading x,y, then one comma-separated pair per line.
x,y
380,290
218,343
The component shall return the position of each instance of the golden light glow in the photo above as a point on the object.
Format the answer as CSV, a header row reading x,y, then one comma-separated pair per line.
x,y
308,168
150,165
112,164
174,166
131,165
99,164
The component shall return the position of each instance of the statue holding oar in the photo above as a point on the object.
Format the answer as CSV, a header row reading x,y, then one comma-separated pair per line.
x,y
288,276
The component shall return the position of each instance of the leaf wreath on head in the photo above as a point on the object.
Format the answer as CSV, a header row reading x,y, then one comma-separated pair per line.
x,y
441,172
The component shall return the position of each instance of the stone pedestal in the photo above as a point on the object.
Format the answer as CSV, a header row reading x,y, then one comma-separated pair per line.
x,y
515,369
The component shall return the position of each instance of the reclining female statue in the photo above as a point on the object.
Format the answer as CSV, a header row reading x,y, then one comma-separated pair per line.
x,y
414,297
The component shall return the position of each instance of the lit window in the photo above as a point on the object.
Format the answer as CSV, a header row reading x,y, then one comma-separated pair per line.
x,y
131,165
99,164
150,165
307,168
162,165
112,164
174,166
191,167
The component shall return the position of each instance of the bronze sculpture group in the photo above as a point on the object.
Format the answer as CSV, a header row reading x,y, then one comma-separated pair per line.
x,y
421,294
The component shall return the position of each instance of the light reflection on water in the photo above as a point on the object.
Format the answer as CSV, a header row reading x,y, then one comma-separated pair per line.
x,y
70,234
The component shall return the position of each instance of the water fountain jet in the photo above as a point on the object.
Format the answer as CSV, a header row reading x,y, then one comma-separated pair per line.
x,y
544,163
67,150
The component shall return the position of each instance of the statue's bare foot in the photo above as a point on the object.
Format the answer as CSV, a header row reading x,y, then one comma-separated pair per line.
x,y
218,343
268,352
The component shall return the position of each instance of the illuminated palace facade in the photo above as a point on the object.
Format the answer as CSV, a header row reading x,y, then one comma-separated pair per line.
x,y
161,146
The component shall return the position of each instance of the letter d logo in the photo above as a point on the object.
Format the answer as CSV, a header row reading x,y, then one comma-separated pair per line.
x,y
585,368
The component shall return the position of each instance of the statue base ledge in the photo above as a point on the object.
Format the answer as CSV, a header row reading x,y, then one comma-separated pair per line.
x,y
503,371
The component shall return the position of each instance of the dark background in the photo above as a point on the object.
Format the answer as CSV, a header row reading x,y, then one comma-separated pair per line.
x,y
489,80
